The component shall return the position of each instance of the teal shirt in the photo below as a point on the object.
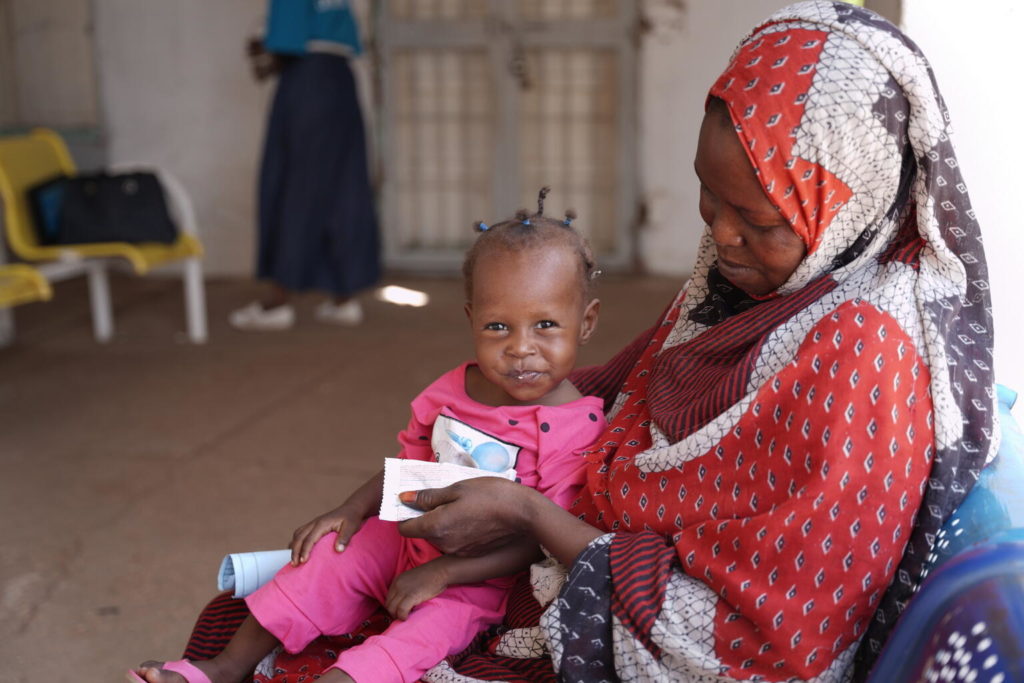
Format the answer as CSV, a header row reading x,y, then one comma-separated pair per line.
x,y
292,23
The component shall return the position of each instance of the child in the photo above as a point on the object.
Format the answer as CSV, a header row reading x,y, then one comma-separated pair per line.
x,y
530,306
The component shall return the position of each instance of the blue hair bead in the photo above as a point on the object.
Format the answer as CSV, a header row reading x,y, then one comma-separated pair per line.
x,y
527,222
483,227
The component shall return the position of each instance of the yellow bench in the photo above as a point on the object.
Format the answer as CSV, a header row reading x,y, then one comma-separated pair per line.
x,y
21,284
26,160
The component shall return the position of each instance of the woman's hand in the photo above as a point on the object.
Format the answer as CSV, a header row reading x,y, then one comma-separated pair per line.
x,y
476,516
471,517
263,64
343,519
414,586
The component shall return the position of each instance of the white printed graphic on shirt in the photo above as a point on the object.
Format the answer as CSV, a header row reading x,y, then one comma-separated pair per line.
x,y
457,443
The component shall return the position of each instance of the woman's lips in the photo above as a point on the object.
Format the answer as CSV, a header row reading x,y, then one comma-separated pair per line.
x,y
725,264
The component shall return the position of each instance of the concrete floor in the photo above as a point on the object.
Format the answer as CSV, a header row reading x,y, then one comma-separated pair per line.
x,y
127,470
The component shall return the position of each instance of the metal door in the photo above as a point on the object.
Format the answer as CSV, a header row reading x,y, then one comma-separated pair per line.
x,y
484,101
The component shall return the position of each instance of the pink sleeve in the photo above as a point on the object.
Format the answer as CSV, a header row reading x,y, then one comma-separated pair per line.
x,y
561,468
415,440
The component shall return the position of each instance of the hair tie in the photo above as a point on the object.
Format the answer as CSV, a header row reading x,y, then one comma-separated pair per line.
x,y
567,222
481,226
526,221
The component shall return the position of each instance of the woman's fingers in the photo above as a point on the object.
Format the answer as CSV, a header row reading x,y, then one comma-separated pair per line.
x,y
428,499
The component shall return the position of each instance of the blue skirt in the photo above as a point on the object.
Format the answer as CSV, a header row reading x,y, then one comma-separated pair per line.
x,y
317,223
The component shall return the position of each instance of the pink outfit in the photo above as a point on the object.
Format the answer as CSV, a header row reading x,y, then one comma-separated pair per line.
x,y
332,593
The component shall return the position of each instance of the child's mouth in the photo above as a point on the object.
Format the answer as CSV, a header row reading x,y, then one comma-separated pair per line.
x,y
524,375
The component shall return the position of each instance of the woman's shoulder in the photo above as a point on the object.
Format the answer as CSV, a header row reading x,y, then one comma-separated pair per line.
x,y
861,319
856,339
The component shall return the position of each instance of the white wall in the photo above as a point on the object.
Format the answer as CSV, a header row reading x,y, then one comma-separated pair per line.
x,y
46,66
176,91
975,53
679,60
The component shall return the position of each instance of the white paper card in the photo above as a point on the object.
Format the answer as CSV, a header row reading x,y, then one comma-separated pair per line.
x,y
415,475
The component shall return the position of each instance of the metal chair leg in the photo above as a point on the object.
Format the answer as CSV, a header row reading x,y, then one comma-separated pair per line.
x,y
195,300
99,299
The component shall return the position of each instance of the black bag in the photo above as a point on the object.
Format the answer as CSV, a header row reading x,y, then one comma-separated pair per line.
x,y
100,207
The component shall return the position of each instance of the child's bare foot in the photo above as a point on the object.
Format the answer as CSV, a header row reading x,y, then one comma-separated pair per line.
x,y
182,671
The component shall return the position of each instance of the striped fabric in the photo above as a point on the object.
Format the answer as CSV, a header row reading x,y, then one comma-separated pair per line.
x,y
216,624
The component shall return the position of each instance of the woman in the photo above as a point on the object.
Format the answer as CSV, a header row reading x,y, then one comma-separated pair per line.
x,y
317,222
805,414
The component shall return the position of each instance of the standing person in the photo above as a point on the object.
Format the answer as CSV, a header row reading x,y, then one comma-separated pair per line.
x,y
317,223
530,306
786,440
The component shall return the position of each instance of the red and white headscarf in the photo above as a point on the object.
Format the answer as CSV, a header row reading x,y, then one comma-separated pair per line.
x,y
794,448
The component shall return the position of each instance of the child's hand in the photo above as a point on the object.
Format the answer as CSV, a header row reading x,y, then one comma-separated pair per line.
x,y
341,519
412,587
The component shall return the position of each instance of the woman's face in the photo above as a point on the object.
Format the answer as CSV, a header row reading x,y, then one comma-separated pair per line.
x,y
757,250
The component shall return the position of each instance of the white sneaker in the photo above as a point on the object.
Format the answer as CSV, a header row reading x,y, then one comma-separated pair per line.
x,y
256,318
348,314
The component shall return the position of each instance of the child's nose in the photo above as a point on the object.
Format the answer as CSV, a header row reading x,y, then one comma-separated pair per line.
x,y
519,345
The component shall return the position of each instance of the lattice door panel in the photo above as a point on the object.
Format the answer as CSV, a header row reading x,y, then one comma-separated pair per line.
x,y
485,102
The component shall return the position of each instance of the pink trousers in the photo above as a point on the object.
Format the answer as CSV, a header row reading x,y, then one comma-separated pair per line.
x,y
332,593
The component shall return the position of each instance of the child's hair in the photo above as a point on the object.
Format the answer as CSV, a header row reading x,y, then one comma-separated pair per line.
x,y
524,231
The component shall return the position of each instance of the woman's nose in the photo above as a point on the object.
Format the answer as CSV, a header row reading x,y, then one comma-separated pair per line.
x,y
726,229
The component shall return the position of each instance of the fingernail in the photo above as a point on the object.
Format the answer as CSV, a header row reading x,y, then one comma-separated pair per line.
x,y
407,497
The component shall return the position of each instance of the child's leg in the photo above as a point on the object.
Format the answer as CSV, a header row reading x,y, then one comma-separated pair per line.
x,y
332,592
437,628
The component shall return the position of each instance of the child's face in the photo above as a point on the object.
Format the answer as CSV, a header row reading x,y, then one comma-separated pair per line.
x,y
528,319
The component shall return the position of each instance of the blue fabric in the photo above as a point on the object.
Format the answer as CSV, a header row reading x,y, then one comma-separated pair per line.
x,y
964,624
971,607
47,201
291,23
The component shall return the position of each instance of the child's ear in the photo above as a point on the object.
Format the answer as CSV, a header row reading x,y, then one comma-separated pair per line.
x,y
589,320
468,308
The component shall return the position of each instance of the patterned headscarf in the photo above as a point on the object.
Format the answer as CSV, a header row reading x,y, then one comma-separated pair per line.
x,y
842,119
735,438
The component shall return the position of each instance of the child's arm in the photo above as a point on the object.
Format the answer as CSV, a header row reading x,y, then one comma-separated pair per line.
x,y
428,580
345,519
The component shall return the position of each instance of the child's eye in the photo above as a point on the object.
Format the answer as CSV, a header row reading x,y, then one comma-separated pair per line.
x,y
496,327
545,324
